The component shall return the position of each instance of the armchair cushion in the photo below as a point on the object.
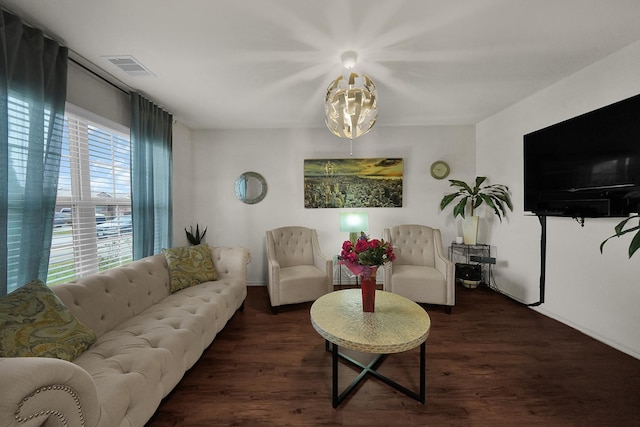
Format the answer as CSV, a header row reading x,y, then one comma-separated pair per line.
x,y
35,323
420,283
189,266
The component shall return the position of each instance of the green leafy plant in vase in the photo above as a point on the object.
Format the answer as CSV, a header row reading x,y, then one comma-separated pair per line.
x,y
195,237
496,196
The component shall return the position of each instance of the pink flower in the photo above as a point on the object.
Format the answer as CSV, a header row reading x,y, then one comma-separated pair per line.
x,y
351,257
361,245
389,253
366,253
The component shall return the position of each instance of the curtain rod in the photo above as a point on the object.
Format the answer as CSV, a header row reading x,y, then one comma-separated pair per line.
x,y
75,61
70,58
125,91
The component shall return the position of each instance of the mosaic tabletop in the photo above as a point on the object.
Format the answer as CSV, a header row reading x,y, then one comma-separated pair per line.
x,y
398,324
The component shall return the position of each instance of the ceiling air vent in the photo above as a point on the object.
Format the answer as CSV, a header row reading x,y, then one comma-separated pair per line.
x,y
129,65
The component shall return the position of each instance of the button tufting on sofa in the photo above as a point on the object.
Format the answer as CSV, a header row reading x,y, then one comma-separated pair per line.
x,y
147,341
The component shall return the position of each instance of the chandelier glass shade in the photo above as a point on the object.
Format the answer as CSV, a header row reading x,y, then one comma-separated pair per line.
x,y
351,105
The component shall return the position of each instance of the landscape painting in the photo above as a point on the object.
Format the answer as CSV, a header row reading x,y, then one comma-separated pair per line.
x,y
353,183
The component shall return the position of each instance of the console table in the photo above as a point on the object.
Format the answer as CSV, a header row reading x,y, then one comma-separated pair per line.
x,y
397,325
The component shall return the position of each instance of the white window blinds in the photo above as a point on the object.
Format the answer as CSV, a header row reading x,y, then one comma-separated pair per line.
x,y
93,209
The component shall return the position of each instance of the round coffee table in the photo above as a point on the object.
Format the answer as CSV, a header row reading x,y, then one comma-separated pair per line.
x,y
398,324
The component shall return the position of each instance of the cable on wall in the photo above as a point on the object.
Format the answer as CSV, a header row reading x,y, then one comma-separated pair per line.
x,y
543,258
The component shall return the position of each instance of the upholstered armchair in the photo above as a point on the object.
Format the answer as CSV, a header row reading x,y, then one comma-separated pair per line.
x,y
421,270
297,269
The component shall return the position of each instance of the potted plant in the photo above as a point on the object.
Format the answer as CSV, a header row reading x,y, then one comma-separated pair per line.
x,y
620,230
496,196
195,238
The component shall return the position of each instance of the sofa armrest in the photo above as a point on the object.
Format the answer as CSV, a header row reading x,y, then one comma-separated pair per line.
x,y
446,267
325,265
387,284
321,261
231,262
37,389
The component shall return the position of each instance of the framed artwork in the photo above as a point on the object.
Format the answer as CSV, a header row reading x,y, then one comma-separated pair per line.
x,y
353,183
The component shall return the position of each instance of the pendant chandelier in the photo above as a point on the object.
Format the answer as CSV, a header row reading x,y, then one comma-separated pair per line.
x,y
351,103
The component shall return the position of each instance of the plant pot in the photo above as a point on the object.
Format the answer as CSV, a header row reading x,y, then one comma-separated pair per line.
x,y
470,230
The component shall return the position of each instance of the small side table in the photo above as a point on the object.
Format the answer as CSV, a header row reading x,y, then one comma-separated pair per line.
x,y
476,254
397,325
339,270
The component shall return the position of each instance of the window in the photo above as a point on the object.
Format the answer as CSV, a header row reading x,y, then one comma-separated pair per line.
x,y
92,224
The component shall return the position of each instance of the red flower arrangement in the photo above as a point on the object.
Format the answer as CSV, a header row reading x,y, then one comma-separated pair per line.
x,y
366,255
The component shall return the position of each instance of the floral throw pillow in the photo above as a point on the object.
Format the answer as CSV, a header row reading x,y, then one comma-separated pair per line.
x,y
189,265
35,323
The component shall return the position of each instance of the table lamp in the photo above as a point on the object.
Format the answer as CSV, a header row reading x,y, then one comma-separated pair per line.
x,y
354,223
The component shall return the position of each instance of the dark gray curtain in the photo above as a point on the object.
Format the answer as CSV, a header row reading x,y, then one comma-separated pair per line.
x,y
33,86
151,145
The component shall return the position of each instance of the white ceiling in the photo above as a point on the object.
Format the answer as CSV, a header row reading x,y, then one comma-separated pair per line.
x,y
267,63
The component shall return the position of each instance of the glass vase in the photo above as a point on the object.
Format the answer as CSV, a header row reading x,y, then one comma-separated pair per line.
x,y
368,286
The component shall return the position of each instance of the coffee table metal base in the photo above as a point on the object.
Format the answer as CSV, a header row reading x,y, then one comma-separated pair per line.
x,y
370,369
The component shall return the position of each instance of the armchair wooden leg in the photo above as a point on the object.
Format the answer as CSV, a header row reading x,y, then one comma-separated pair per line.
x,y
274,310
448,309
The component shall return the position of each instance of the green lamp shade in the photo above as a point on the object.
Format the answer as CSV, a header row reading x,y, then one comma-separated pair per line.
x,y
354,223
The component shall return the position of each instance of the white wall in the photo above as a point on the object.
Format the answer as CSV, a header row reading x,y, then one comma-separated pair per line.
x,y
182,162
596,293
219,157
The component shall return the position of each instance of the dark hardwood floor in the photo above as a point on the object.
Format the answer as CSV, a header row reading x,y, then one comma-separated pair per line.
x,y
492,362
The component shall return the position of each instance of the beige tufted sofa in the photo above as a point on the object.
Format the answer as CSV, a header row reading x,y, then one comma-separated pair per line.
x,y
147,339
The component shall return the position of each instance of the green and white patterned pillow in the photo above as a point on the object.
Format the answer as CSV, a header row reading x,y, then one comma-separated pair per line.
x,y
189,266
35,323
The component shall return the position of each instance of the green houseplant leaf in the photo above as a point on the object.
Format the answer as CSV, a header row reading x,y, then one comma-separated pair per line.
x,y
195,238
496,196
620,230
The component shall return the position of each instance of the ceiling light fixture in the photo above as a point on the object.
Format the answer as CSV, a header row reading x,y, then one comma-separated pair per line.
x,y
351,102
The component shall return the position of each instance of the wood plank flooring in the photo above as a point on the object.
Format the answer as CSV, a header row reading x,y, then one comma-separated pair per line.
x,y
492,362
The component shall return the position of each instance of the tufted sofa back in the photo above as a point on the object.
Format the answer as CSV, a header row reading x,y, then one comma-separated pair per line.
x,y
292,245
104,300
412,244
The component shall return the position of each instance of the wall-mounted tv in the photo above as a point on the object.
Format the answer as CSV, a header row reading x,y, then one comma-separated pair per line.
x,y
587,166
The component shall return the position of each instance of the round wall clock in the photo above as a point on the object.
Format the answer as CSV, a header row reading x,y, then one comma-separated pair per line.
x,y
440,169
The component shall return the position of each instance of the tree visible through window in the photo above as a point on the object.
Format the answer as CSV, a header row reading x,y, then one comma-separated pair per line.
x,y
92,224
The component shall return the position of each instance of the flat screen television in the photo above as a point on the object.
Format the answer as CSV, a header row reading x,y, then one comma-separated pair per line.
x,y
587,166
